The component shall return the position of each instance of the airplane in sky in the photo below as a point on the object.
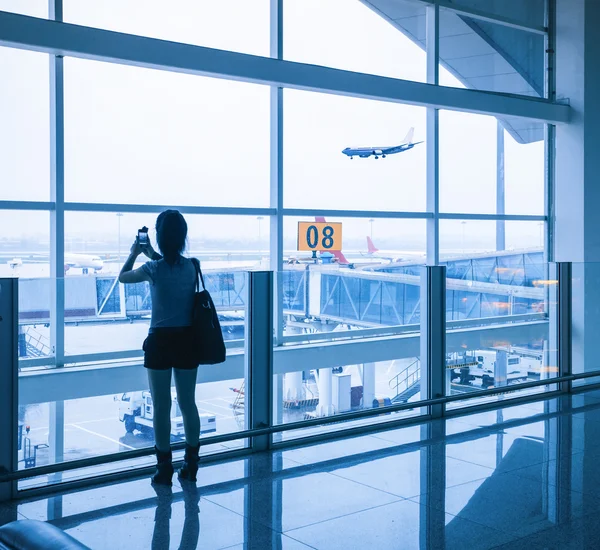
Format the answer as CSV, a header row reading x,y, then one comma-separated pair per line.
x,y
366,152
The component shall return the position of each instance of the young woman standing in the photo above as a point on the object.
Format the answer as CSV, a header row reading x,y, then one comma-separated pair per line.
x,y
169,346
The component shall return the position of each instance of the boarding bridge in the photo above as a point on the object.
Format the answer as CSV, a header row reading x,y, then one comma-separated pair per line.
x,y
480,287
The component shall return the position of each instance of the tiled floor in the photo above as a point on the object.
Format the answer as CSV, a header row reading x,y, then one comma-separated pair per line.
x,y
520,477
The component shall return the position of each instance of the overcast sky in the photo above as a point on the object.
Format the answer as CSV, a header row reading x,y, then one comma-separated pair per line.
x,y
141,136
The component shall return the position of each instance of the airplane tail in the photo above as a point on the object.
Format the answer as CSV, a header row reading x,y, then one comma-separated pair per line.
x,y
337,254
371,248
410,136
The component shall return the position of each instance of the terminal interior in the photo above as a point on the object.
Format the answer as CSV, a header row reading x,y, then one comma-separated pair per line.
x,y
396,217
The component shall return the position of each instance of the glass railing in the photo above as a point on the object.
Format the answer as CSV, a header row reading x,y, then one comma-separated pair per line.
x,y
349,353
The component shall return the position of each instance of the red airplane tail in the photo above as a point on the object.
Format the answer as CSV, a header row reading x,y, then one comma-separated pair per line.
x,y
371,248
342,260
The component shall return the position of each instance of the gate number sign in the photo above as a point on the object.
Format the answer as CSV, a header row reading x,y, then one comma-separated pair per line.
x,y
321,237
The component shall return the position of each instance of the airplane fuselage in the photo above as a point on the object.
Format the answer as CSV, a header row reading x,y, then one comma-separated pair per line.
x,y
366,152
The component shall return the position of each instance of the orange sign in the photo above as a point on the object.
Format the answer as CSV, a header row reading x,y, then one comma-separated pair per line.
x,y
322,237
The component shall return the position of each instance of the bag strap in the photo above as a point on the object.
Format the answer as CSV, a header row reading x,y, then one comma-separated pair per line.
x,y
196,263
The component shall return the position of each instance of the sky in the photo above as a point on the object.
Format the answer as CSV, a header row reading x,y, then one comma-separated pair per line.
x,y
139,136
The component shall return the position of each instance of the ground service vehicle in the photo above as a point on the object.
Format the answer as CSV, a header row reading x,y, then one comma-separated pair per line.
x,y
136,411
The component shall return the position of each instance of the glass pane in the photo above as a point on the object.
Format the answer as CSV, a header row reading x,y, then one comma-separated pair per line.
x,y
489,166
332,150
351,288
35,8
585,319
351,371
529,12
25,127
25,254
498,323
107,424
487,56
382,38
24,244
462,240
104,316
136,136
237,25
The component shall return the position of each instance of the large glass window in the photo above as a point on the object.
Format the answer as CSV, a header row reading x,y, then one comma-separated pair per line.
x,y
35,8
490,166
140,136
386,40
24,125
237,25
347,153
97,244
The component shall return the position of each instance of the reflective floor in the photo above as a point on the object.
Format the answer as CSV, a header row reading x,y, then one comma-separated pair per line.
x,y
519,477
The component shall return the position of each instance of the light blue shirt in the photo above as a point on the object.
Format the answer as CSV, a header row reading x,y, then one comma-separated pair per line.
x,y
172,289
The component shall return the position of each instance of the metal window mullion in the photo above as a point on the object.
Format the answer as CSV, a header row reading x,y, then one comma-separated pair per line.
x,y
57,235
432,141
550,133
259,355
19,31
433,336
564,322
276,170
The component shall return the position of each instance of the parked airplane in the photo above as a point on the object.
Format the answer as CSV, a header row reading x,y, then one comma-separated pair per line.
x,y
365,152
83,261
390,255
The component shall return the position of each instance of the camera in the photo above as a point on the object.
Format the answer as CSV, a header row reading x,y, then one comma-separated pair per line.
x,y
143,236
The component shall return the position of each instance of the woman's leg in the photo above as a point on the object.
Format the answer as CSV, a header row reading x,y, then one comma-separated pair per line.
x,y
185,382
160,389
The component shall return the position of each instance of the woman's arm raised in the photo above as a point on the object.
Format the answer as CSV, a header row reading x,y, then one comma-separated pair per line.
x,y
128,274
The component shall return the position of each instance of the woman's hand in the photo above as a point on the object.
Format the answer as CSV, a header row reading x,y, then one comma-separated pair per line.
x,y
149,251
136,249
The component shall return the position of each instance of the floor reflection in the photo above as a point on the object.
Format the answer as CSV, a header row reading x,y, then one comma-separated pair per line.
x,y
519,477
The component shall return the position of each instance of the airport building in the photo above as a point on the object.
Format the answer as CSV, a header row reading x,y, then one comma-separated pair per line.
x,y
395,207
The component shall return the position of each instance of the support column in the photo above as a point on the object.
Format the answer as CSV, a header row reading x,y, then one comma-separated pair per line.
x,y
501,369
9,373
576,192
368,380
325,407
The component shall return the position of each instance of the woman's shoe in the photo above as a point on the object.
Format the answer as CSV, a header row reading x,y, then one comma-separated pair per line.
x,y
189,469
164,468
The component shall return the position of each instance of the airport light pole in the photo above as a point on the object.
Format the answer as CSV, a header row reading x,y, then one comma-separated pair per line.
x,y
371,221
119,216
260,219
463,223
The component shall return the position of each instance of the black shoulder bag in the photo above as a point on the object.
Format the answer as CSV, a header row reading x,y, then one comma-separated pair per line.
x,y
208,345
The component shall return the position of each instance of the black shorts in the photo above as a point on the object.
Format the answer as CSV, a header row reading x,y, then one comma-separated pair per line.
x,y
169,347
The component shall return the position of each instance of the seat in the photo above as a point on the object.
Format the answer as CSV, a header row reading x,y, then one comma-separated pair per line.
x,y
30,534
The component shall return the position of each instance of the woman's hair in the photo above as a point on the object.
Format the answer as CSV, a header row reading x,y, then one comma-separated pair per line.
x,y
171,234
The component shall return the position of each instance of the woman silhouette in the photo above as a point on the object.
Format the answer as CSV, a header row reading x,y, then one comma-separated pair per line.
x,y
169,345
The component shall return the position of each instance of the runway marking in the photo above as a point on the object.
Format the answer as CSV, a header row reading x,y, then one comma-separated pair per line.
x,y
103,437
216,415
228,409
98,420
